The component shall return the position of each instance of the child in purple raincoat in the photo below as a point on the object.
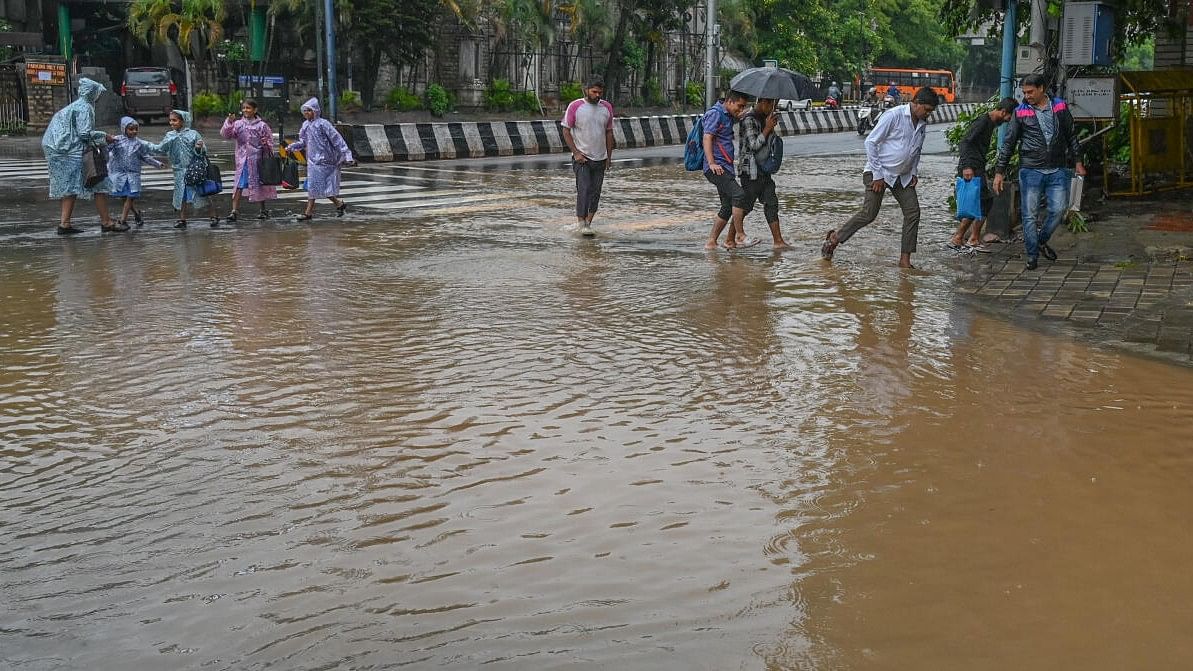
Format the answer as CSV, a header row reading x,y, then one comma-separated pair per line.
x,y
253,137
325,151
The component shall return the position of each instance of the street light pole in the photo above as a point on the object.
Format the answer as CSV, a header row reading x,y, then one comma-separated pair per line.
x,y
710,53
319,47
333,94
1010,30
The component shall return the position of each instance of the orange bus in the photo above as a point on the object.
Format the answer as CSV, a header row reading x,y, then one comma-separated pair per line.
x,y
909,80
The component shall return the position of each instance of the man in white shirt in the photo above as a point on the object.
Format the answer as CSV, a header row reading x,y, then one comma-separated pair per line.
x,y
588,131
892,162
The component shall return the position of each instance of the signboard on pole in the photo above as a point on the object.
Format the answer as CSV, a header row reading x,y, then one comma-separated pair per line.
x,y
46,74
1092,97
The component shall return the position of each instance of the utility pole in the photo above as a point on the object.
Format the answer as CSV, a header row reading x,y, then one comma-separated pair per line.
x,y
1010,28
333,94
710,53
319,92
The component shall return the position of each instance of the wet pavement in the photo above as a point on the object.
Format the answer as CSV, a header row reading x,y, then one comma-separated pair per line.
x,y
461,436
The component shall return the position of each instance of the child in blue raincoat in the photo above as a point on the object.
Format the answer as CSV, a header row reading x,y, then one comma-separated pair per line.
x,y
125,157
181,145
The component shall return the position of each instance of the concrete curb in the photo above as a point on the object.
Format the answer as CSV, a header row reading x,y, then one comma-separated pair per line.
x,y
478,139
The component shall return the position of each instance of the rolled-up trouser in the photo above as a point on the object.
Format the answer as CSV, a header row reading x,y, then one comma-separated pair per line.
x,y
761,190
908,201
590,177
729,191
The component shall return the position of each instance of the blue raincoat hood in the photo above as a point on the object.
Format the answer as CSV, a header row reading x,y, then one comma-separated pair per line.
x,y
125,122
313,105
185,116
90,90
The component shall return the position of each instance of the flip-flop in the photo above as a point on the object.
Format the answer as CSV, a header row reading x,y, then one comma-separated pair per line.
x,y
748,242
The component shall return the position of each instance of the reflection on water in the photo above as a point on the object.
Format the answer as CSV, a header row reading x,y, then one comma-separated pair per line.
x,y
479,440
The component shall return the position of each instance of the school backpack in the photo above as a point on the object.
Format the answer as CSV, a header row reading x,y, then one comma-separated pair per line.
x,y
770,157
693,151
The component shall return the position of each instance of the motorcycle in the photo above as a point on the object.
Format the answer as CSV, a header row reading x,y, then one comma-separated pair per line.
x,y
867,117
832,103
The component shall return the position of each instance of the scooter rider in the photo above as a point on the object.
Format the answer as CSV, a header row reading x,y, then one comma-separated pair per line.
x,y
834,92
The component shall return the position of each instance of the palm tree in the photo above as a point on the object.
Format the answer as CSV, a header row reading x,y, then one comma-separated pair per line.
x,y
193,25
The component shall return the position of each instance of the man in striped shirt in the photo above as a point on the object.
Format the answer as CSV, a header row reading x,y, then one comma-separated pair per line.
x,y
588,132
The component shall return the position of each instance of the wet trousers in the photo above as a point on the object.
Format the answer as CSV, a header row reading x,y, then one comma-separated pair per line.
x,y
908,201
590,177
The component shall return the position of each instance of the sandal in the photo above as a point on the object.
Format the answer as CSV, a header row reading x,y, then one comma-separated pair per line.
x,y
138,218
264,214
232,216
69,230
830,244
303,217
215,222
341,208
118,227
180,224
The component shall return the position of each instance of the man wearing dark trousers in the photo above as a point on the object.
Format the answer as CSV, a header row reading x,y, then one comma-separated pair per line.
x,y
1042,130
892,162
588,132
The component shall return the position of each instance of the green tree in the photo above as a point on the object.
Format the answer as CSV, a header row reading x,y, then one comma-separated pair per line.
x,y
401,29
1140,56
1134,20
932,46
193,25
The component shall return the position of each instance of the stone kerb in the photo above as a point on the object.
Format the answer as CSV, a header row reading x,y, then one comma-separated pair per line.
x,y
478,139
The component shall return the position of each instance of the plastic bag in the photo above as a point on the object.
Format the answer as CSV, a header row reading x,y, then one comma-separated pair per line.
x,y
969,198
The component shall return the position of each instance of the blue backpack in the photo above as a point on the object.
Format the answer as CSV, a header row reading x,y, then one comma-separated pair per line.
x,y
770,157
693,151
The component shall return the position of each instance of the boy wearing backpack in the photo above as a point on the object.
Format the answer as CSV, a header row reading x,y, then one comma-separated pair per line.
x,y
755,166
718,166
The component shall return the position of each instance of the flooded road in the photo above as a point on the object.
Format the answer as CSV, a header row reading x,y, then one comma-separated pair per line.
x,y
462,437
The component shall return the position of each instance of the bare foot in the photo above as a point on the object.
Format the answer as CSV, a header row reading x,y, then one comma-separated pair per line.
x,y
906,264
710,245
781,245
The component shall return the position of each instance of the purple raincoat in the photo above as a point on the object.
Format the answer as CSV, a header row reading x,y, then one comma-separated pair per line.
x,y
325,152
251,138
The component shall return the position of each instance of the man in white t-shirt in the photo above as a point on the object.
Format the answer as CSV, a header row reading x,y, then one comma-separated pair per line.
x,y
588,131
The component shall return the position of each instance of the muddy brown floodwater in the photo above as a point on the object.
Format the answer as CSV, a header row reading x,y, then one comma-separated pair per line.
x,y
467,438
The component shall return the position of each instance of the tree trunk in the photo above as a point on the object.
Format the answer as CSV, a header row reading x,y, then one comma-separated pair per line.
x,y
615,68
370,62
648,74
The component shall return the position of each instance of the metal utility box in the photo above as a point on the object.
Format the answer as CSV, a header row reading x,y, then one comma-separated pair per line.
x,y
1087,32
1029,59
1092,97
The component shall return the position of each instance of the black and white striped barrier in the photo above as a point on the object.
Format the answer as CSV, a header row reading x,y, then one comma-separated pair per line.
x,y
477,139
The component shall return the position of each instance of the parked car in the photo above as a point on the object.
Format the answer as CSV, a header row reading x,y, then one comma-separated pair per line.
x,y
792,105
148,92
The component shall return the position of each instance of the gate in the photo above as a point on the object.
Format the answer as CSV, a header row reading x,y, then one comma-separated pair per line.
x,y
12,101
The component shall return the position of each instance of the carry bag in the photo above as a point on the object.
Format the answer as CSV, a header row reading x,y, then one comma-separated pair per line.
x,y
969,198
770,157
95,165
214,183
1076,191
196,171
269,169
290,179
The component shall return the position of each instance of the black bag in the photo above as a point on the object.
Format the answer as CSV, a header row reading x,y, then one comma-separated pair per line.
x,y
269,169
214,183
290,175
770,157
95,165
196,170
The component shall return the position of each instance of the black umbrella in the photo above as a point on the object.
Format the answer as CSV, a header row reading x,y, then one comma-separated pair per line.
x,y
772,83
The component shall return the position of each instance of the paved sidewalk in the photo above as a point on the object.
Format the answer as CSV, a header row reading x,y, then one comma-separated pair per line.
x,y
1127,283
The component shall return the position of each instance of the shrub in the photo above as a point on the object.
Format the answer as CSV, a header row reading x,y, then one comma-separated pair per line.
x,y
402,100
694,94
499,96
569,91
207,103
439,101
350,100
526,101
654,93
